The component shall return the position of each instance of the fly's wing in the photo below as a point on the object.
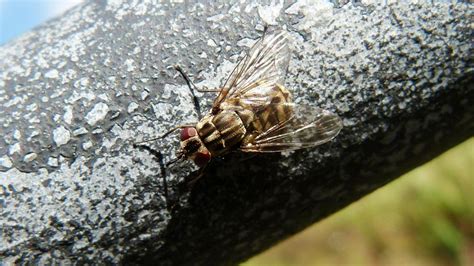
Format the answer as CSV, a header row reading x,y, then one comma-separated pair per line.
x,y
304,127
254,77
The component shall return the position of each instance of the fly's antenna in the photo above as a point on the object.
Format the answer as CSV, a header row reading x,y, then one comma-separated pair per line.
x,y
179,157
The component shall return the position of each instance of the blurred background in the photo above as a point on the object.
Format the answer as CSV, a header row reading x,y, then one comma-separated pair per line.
x,y
425,217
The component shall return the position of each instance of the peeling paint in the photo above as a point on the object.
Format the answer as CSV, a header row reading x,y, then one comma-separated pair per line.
x,y
132,107
52,74
30,157
315,12
68,114
98,113
15,148
80,131
5,162
61,135
270,13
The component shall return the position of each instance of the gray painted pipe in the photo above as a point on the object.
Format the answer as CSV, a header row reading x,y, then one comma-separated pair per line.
x,y
78,91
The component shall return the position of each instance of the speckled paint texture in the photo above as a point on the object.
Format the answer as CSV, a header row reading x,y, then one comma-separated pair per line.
x,y
77,92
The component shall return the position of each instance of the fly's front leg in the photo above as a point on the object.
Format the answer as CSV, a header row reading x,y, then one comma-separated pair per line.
x,y
158,157
206,89
191,84
191,179
193,87
162,136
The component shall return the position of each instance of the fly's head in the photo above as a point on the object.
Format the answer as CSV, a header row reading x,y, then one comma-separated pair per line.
x,y
193,148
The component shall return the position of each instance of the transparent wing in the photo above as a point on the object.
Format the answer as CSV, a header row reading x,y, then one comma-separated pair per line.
x,y
305,126
256,74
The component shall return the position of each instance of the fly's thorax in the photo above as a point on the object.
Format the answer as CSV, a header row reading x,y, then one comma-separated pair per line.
x,y
193,148
220,133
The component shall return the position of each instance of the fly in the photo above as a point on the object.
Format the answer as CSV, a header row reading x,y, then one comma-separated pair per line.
x,y
254,112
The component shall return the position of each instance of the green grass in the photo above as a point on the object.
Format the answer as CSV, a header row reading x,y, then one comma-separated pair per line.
x,y
426,217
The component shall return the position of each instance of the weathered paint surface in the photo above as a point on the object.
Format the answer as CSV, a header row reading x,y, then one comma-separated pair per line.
x,y
78,91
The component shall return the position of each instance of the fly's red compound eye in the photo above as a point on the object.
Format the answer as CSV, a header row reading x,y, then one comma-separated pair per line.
x,y
202,158
187,133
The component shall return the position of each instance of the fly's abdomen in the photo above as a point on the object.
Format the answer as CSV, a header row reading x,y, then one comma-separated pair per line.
x,y
275,112
221,132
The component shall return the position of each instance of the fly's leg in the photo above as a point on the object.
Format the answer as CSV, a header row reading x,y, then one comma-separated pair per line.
x,y
248,157
193,87
265,29
162,136
191,84
191,179
158,157
195,99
